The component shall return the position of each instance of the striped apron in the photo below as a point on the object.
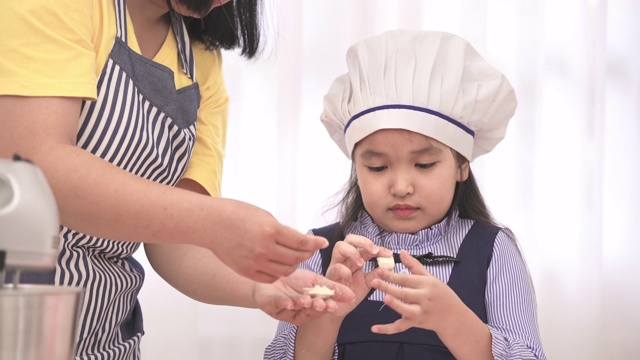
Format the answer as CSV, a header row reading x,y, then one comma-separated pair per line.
x,y
142,124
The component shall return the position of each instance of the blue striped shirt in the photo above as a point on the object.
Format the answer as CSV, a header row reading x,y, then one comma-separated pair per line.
x,y
509,295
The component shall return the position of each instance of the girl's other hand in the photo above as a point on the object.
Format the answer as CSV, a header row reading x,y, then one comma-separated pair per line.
x,y
421,299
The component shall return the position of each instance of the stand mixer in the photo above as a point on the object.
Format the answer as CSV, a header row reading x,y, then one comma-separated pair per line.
x,y
29,223
36,321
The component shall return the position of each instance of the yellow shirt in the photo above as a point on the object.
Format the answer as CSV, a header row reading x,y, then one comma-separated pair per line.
x,y
52,48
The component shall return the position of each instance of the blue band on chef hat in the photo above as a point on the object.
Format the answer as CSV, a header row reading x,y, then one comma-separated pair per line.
x,y
413,108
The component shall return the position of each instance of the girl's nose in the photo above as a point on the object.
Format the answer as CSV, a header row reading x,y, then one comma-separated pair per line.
x,y
402,185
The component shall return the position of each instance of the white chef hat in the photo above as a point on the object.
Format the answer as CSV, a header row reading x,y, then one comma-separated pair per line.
x,y
431,83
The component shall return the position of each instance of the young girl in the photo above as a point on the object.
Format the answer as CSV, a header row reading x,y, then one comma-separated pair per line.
x,y
414,109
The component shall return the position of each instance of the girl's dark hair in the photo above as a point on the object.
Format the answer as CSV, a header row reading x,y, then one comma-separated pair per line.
x,y
233,25
351,202
467,199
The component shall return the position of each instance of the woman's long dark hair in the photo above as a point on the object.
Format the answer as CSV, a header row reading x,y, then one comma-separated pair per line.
x,y
467,199
234,25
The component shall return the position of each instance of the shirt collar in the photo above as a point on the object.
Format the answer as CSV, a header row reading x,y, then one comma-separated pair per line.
x,y
365,226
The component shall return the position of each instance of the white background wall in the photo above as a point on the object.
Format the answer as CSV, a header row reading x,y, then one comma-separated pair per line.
x,y
568,169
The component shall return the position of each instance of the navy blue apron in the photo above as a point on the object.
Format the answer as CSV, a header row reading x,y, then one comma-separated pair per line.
x,y
468,280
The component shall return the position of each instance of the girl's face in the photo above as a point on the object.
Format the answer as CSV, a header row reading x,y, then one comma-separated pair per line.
x,y
196,8
407,180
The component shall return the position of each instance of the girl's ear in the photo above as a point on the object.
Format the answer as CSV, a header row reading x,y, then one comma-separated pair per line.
x,y
463,173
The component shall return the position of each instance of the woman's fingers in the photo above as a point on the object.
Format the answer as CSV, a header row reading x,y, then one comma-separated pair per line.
x,y
264,277
275,270
293,239
292,247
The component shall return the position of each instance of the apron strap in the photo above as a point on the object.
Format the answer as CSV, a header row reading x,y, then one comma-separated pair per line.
x,y
184,45
121,20
185,52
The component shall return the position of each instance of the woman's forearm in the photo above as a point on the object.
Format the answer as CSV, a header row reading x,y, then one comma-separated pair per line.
x,y
199,274
102,200
94,196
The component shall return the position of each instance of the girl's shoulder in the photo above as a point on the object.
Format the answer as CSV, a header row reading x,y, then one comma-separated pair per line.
x,y
506,248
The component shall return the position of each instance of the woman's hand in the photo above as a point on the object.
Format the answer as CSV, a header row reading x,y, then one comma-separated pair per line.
x,y
422,300
285,299
253,243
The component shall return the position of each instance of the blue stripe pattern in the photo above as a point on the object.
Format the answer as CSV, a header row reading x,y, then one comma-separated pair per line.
x,y
509,296
412,108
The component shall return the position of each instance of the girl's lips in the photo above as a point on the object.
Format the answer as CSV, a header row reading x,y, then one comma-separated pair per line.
x,y
403,211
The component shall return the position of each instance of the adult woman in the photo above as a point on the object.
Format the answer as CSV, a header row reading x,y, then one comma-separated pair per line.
x,y
112,154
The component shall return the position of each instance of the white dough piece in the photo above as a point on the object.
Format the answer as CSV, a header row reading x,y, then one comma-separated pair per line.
x,y
319,291
386,263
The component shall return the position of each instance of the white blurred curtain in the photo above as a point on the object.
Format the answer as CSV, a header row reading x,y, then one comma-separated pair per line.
x,y
564,179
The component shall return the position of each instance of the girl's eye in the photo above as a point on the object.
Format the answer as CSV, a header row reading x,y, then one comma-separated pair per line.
x,y
376,168
425,166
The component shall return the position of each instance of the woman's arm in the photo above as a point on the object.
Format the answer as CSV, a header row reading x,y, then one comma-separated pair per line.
x,y
98,198
196,271
199,274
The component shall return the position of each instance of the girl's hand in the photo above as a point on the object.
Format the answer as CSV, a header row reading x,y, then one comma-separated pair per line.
x,y
347,260
422,300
